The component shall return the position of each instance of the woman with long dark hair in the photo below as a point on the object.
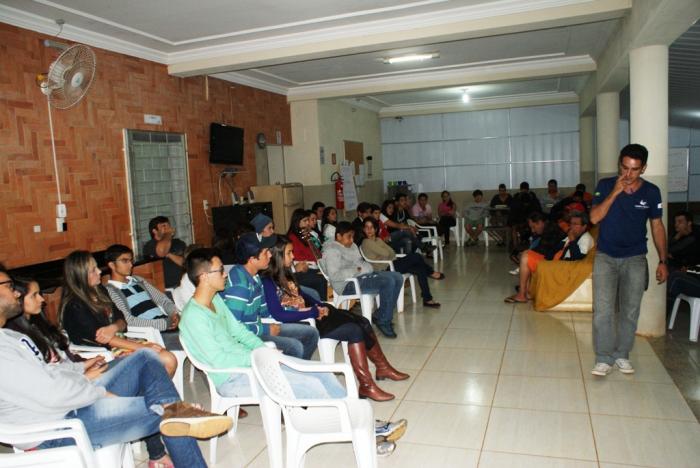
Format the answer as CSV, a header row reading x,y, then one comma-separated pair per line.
x,y
374,248
89,315
328,222
50,344
287,303
306,253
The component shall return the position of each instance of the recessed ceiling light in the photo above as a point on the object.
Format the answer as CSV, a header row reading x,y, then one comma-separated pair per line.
x,y
411,58
465,96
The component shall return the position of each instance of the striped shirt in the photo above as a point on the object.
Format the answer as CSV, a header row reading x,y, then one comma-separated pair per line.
x,y
142,304
245,298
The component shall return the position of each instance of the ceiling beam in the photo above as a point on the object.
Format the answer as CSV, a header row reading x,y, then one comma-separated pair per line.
x,y
531,69
500,102
505,17
650,22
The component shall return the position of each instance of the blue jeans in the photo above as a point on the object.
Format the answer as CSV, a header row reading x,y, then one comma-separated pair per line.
x,y
304,385
618,286
295,339
142,387
385,283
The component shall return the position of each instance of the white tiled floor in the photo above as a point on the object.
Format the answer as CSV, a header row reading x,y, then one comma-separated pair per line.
x,y
496,385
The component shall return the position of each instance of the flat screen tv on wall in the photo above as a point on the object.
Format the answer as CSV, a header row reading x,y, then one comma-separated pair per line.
x,y
225,144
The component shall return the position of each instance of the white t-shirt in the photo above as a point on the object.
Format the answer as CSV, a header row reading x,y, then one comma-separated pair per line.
x,y
585,243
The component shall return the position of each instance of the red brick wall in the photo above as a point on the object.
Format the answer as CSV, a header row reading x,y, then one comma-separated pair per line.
x,y
89,143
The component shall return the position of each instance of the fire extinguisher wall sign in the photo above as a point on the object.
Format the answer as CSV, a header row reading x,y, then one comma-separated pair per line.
x,y
339,197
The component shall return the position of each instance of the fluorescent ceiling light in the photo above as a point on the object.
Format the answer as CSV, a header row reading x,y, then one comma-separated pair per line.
x,y
411,58
465,96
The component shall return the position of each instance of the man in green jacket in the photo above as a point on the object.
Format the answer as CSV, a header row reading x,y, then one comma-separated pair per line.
x,y
214,337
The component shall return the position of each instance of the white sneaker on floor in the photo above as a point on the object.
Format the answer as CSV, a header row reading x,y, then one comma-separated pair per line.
x,y
602,369
515,272
624,366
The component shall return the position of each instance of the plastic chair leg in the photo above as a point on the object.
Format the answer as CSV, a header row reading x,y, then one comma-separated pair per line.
x,y
412,283
694,318
676,303
400,301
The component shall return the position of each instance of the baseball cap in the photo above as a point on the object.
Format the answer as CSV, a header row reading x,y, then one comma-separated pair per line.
x,y
249,245
260,221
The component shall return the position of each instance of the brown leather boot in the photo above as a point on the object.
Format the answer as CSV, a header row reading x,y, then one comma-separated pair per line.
x,y
384,369
368,387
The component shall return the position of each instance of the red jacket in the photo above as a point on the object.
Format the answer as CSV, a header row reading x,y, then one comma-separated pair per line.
x,y
302,251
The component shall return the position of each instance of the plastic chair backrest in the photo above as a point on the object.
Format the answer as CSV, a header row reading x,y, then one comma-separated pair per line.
x,y
268,371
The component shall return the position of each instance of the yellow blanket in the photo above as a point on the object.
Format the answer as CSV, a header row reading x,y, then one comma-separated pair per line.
x,y
554,281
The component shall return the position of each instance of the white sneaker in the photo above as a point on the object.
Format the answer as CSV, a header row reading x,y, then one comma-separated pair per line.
x,y
624,366
602,369
515,272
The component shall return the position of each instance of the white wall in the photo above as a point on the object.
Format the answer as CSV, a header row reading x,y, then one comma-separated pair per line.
x,y
480,149
302,159
678,137
339,121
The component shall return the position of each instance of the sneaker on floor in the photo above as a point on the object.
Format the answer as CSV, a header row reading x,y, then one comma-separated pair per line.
x,y
385,447
602,369
392,431
515,272
624,366
187,420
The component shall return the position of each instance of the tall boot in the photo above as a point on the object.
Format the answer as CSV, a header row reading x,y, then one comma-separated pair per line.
x,y
368,387
384,369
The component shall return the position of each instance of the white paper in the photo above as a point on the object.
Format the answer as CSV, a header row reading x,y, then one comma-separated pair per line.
x,y
349,191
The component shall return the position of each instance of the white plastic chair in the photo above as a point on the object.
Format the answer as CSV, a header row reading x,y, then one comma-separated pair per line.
x,y
221,404
326,346
367,300
309,422
458,231
694,303
406,276
153,335
79,455
432,238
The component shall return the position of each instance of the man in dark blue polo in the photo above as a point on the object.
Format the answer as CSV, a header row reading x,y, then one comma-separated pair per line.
x,y
621,207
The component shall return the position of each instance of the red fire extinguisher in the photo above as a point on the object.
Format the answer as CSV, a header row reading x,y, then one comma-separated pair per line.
x,y
339,197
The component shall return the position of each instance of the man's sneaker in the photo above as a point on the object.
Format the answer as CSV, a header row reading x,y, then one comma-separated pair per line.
x,y
187,420
392,431
515,272
602,369
624,366
385,447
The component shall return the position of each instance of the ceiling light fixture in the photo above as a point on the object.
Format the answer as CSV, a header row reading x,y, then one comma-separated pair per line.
x,y
410,58
465,96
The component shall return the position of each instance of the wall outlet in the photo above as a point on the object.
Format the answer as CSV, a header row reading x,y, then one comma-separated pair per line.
x,y
61,211
205,203
60,224
37,228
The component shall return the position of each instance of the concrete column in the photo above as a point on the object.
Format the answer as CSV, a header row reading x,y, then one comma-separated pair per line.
x,y
649,127
587,152
607,130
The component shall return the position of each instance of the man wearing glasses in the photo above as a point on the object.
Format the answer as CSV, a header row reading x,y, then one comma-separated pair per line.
x,y
142,304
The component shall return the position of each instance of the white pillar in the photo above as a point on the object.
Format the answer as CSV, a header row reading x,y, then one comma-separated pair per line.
x,y
649,127
587,152
607,130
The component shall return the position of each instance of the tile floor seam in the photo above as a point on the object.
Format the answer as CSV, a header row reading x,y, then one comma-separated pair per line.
x,y
588,404
546,456
495,389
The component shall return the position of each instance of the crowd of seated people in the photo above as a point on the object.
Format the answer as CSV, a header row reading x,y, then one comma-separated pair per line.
x,y
684,258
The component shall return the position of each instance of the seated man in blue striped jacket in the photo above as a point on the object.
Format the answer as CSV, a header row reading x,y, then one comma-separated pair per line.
x,y
142,304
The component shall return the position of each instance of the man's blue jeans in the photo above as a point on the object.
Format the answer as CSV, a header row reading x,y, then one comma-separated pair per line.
x,y
142,387
385,283
618,286
295,339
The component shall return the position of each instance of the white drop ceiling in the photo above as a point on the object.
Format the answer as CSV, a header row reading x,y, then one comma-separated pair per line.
x,y
499,49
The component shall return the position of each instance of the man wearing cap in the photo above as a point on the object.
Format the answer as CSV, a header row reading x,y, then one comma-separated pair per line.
x,y
263,225
245,298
